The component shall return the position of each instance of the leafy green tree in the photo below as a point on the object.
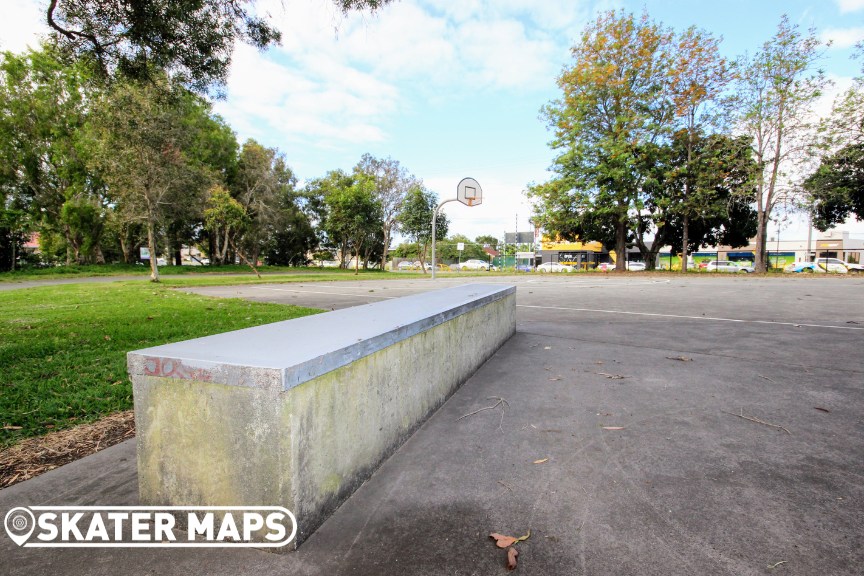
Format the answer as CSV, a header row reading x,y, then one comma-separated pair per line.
x,y
294,238
227,219
699,76
143,150
708,193
392,183
447,249
193,38
837,187
775,92
353,215
415,220
614,101
487,240
261,184
43,151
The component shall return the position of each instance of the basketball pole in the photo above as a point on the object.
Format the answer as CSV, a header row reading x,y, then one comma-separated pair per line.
x,y
434,226
468,192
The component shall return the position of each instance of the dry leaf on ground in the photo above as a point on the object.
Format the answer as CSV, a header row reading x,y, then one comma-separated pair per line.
x,y
541,461
613,428
502,541
512,555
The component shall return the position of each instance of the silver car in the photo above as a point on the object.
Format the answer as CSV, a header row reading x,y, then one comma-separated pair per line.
x,y
727,266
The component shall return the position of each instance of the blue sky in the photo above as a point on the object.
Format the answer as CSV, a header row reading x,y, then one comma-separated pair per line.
x,y
454,88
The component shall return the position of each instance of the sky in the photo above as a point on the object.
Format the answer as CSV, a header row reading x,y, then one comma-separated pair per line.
x,y
454,88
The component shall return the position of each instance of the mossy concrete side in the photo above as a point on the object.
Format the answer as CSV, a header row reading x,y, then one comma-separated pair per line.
x,y
309,447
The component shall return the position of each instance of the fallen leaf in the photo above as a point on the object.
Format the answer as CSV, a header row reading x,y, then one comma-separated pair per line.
x,y
613,428
512,555
107,337
554,379
547,348
541,461
680,358
821,409
502,541
10,427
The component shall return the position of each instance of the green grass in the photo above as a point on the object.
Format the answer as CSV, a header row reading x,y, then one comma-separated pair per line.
x,y
63,348
58,272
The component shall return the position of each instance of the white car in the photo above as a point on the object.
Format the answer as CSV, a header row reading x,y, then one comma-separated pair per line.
x,y
553,267
823,265
474,265
727,266
405,265
635,266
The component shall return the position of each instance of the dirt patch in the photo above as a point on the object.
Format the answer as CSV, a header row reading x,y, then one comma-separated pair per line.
x,y
35,456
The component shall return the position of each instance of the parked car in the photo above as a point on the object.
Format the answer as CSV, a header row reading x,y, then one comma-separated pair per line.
x,y
727,266
553,267
405,265
419,266
633,265
824,265
474,265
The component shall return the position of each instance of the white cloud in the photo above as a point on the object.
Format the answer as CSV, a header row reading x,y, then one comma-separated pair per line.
x,y
843,38
850,5
21,27
339,80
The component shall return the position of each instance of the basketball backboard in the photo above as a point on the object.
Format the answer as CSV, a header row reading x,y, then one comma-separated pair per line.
x,y
469,193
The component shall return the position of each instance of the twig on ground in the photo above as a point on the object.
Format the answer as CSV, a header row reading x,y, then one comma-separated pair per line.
x,y
500,402
766,378
505,485
611,376
772,566
757,420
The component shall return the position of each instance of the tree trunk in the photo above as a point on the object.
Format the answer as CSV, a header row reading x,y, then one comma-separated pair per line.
x,y
151,244
685,241
760,264
621,245
357,259
223,257
386,247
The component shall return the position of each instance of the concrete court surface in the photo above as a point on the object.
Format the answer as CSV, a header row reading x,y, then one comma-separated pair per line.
x,y
686,486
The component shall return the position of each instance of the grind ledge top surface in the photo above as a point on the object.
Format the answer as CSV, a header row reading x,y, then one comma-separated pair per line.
x,y
285,354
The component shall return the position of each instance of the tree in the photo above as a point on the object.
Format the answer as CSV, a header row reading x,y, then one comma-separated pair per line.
x,y
193,38
353,215
707,194
144,151
448,249
226,218
260,184
698,77
415,220
614,101
43,151
487,240
775,92
837,187
392,183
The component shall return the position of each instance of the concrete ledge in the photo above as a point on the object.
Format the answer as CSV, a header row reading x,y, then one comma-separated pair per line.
x,y
300,413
